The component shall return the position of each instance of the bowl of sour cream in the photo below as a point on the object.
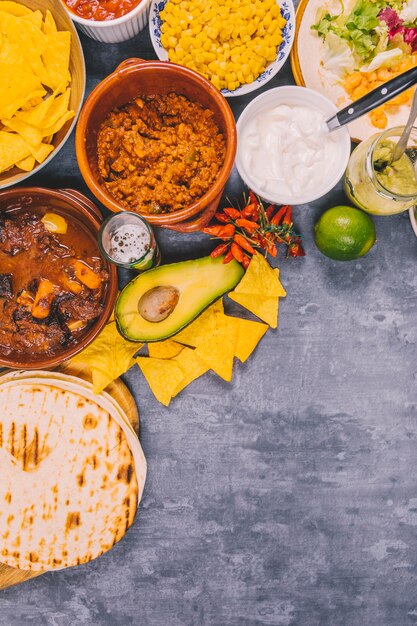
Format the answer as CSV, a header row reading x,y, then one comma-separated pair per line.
x,y
285,152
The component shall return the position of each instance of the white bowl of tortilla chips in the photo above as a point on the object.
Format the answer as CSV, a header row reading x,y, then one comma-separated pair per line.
x,y
42,78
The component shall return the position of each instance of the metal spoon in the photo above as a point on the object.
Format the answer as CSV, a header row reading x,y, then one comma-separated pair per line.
x,y
403,140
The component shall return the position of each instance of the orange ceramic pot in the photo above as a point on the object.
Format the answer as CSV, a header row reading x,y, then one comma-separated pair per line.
x,y
74,206
133,78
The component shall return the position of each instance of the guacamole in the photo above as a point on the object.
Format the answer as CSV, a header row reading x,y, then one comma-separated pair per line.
x,y
398,177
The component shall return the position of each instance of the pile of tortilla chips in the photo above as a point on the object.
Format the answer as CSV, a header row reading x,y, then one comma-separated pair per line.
x,y
34,78
210,342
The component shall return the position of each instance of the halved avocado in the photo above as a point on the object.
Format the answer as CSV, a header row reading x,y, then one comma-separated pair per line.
x,y
197,283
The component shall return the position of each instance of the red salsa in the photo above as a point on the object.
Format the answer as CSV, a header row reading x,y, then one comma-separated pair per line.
x,y
101,10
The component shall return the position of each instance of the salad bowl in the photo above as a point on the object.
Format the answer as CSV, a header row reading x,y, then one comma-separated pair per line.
x,y
344,51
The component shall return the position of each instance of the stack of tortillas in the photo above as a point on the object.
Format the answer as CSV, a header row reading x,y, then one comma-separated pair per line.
x,y
72,471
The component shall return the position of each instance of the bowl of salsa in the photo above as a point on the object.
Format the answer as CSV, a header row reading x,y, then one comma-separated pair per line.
x,y
109,21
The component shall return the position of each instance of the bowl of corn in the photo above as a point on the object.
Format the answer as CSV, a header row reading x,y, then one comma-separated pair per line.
x,y
238,45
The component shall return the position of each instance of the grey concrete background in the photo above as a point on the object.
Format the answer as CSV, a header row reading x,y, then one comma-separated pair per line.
x,y
289,497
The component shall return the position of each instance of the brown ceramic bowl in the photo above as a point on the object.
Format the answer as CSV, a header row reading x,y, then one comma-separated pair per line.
x,y
75,206
133,78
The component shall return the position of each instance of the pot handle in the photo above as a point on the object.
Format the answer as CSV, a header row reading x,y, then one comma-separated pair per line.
x,y
73,194
129,63
190,226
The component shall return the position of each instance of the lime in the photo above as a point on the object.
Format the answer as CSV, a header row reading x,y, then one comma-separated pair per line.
x,y
344,233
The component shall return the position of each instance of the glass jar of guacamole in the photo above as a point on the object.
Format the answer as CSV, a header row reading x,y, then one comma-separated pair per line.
x,y
375,184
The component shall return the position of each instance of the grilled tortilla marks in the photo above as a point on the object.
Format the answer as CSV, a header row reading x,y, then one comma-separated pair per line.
x,y
72,472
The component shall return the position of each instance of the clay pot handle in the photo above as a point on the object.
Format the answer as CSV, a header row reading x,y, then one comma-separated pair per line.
x,y
129,63
73,194
190,226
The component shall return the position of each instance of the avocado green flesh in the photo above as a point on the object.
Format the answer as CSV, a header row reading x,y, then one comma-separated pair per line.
x,y
199,283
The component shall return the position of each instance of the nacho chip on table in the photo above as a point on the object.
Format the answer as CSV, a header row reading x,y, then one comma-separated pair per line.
x,y
249,334
109,356
192,367
167,349
201,326
162,375
259,290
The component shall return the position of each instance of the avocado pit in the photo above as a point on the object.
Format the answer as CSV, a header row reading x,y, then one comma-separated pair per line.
x,y
158,303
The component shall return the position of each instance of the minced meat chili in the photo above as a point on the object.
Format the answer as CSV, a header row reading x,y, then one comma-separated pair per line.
x,y
159,154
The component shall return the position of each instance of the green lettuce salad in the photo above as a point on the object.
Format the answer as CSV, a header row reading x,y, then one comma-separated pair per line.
x,y
373,34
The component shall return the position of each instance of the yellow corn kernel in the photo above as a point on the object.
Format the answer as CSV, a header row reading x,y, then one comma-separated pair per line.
x,y
274,11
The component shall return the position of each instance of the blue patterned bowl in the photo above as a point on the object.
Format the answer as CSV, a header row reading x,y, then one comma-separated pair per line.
x,y
287,11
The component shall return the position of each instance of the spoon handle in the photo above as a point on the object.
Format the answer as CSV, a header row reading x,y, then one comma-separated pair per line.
x,y
403,140
373,99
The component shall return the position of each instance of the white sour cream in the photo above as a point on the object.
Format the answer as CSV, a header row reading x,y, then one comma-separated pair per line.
x,y
288,152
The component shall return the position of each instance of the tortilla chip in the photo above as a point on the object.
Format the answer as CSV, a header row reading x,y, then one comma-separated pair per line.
x,y
192,367
56,58
12,150
30,134
35,17
264,308
167,349
162,375
41,152
11,53
17,87
109,356
51,130
49,25
217,349
249,335
14,8
49,110
27,164
201,327
260,278
33,55
259,290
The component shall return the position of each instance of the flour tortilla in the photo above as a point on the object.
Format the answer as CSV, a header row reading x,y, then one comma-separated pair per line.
x,y
71,474
67,381
310,52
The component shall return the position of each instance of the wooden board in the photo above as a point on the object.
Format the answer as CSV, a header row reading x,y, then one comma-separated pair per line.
x,y
10,576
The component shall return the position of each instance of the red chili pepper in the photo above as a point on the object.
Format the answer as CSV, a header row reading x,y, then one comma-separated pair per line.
x,y
279,215
288,215
221,217
231,212
228,257
251,212
223,232
270,246
269,211
253,198
262,242
245,262
221,249
247,224
243,243
237,252
296,249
